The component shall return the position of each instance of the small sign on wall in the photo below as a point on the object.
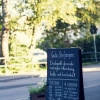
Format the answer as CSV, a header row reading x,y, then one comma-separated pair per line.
x,y
64,74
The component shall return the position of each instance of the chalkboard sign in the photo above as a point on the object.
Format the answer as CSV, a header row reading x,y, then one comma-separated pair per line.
x,y
64,74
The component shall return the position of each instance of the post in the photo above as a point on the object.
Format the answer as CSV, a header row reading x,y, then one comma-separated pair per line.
x,y
95,51
32,64
5,66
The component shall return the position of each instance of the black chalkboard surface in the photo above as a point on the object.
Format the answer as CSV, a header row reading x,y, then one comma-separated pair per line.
x,y
64,74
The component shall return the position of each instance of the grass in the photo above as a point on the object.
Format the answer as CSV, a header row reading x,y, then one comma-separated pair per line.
x,y
40,67
90,63
21,69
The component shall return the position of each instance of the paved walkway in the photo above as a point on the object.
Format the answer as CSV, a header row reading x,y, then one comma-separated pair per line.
x,y
89,68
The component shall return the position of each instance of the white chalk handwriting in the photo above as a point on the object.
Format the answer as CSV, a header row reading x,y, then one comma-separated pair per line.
x,y
61,54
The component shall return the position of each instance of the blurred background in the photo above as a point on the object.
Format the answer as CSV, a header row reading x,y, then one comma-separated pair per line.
x,y
29,27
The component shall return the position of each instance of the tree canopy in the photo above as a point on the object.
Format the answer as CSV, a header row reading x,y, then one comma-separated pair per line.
x,y
70,11
35,13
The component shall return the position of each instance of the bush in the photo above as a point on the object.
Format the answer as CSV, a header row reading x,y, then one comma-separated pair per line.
x,y
39,89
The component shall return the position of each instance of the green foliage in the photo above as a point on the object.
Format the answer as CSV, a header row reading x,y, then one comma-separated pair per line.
x,y
16,48
87,45
19,68
52,42
19,64
68,11
56,37
40,67
14,69
2,70
22,50
98,42
89,11
39,89
47,13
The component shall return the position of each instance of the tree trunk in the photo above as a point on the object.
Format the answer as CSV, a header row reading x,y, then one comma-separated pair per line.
x,y
5,35
33,42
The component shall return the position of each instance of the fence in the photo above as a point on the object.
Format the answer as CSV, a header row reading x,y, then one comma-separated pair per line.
x,y
27,61
90,56
19,62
